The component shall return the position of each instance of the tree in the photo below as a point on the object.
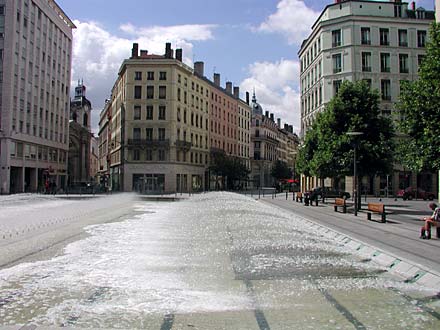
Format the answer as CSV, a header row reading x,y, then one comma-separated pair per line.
x,y
231,169
280,170
419,107
328,150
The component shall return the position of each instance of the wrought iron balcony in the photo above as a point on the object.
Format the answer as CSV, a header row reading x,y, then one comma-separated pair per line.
x,y
185,145
149,143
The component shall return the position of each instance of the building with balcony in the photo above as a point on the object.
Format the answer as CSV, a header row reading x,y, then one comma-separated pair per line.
x,y
269,143
156,126
35,70
381,42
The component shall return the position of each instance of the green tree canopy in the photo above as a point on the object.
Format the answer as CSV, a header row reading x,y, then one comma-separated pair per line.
x,y
280,170
328,150
419,106
228,167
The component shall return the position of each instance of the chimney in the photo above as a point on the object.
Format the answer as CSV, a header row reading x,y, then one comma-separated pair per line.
x,y
272,118
237,92
286,127
135,50
144,53
413,5
217,79
291,129
267,114
229,87
247,98
279,122
179,54
168,50
199,68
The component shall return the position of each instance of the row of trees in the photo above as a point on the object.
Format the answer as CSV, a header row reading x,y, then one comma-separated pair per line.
x,y
328,149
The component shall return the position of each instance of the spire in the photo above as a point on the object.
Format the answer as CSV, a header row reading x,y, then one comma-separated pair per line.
x,y
254,98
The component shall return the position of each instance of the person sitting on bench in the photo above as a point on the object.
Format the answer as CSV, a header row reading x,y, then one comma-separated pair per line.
x,y
433,220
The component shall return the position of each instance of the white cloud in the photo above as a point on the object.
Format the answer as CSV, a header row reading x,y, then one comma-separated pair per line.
x,y
98,54
293,19
276,87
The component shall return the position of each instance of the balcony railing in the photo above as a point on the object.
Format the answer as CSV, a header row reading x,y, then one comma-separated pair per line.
x,y
185,145
366,68
149,143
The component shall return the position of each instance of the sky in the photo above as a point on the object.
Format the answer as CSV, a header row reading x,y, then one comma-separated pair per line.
x,y
252,43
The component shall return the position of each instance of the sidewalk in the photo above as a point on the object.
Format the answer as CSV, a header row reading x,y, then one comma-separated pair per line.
x,y
391,243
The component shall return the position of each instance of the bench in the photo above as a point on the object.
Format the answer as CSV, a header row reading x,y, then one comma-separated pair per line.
x,y
378,208
340,202
299,197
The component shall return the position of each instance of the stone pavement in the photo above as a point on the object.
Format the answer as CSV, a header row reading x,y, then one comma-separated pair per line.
x,y
395,244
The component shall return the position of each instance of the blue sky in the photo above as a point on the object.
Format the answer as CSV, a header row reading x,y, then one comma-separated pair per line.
x,y
252,43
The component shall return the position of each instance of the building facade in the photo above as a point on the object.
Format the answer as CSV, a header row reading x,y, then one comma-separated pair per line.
x,y
380,42
269,143
156,127
35,70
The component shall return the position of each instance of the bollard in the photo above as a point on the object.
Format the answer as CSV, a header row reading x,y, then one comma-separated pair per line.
x,y
286,195
306,200
263,192
259,194
293,196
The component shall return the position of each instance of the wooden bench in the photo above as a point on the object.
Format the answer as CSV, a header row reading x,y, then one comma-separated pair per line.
x,y
340,202
378,208
299,197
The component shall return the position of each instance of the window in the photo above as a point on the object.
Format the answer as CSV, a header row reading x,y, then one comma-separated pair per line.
x,y
150,92
138,75
162,92
162,75
178,94
2,10
366,61
149,112
136,154
365,36
161,155
336,38
162,111
136,133
384,37
149,154
397,10
137,112
150,75
385,62
337,63
336,86
421,38
403,63
403,38
385,89
161,133
137,92
149,134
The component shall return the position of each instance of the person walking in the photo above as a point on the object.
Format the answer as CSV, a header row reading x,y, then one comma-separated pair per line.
x,y
433,220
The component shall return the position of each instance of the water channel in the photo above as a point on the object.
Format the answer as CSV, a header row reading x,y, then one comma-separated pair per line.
x,y
214,261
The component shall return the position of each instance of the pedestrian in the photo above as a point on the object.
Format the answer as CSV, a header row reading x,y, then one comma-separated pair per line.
x,y
433,220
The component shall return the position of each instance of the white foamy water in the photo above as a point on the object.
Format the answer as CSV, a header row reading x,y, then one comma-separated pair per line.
x,y
183,257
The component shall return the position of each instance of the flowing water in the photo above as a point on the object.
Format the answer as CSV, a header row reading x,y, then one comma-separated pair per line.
x,y
215,261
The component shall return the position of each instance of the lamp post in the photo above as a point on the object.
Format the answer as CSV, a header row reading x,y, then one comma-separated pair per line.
x,y
354,134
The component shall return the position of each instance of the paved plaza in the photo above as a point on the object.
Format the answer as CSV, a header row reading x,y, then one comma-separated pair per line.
x,y
211,261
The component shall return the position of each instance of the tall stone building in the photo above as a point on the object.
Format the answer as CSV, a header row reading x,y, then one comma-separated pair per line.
x,y
35,70
380,42
269,143
79,169
156,126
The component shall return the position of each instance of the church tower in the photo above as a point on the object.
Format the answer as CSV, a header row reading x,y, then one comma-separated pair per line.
x,y
80,107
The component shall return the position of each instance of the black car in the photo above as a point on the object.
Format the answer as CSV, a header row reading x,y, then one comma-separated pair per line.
x,y
327,192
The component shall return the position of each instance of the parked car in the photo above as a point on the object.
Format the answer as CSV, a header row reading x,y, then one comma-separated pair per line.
x,y
410,193
328,192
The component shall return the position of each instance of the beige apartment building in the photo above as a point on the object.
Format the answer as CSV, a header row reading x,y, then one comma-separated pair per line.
x,y
156,127
381,42
35,70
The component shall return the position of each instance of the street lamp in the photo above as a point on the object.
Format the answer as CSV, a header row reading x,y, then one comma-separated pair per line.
x,y
354,134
